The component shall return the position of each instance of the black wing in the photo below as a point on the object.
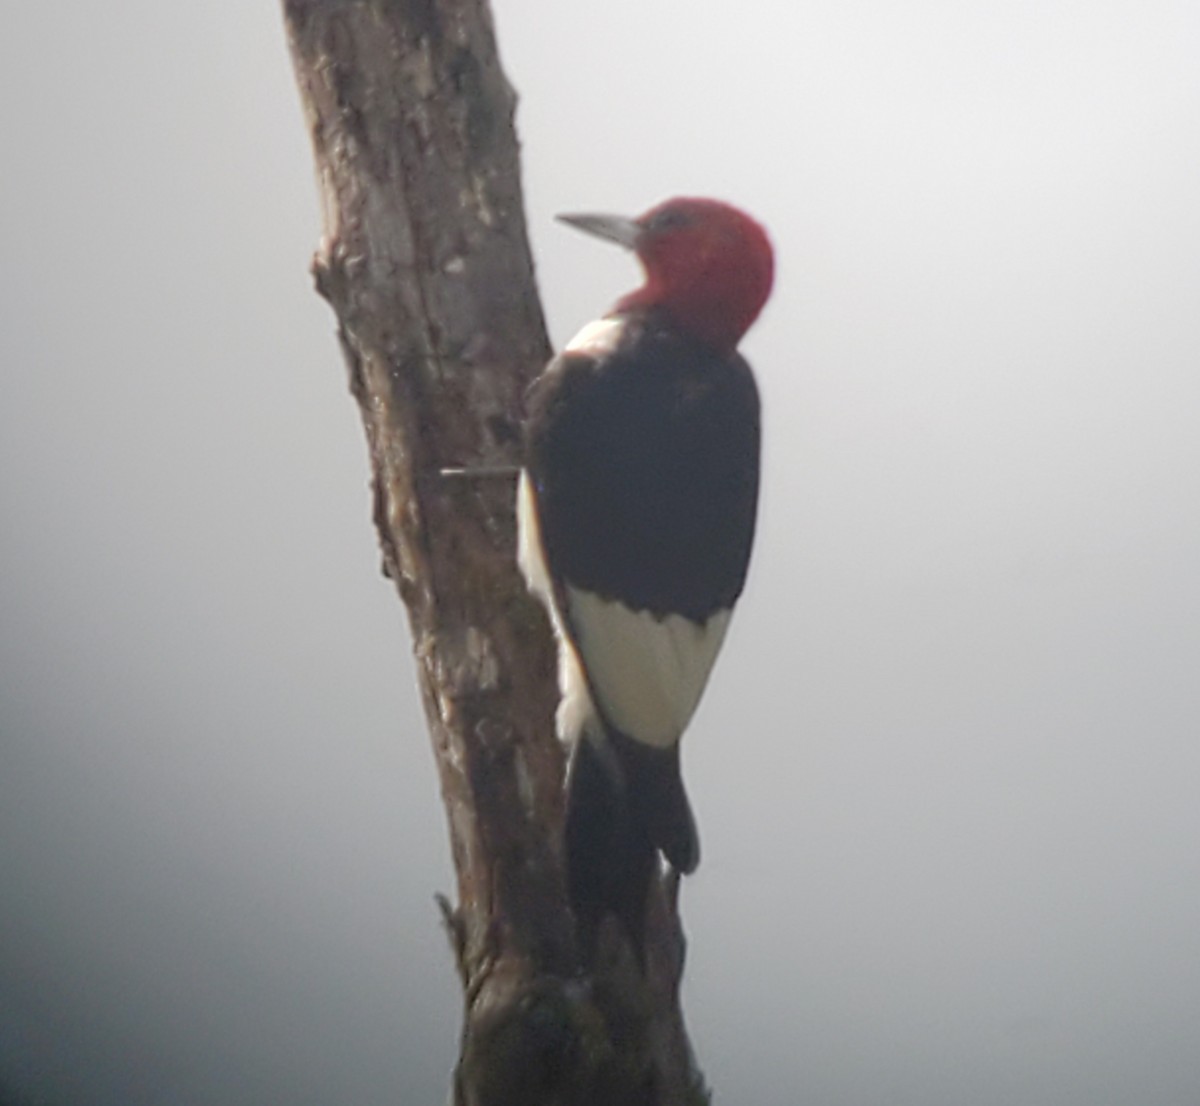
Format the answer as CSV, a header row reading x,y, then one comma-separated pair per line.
x,y
645,462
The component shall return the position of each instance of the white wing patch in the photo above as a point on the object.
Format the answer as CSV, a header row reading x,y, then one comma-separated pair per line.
x,y
575,709
646,673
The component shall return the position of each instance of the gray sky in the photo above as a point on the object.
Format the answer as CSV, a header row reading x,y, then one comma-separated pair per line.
x,y
946,774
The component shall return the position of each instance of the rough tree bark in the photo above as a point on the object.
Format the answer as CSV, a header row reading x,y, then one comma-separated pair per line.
x,y
425,261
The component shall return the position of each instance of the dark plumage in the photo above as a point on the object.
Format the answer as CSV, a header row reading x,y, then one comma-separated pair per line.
x,y
637,511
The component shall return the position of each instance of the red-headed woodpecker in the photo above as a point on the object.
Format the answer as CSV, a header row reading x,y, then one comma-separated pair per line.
x,y
636,511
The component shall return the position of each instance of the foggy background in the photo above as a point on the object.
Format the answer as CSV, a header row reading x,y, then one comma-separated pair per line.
x,y
947,770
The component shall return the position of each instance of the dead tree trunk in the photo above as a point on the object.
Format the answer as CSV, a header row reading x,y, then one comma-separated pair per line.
x,y
425,261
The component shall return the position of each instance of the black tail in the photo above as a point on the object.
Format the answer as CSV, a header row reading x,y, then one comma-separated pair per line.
x,y
625,803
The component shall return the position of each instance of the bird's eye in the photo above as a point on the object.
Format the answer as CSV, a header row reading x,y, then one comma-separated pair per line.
x,y
671,219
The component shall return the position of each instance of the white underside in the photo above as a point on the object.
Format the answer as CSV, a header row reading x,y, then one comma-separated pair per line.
x,y
576,711
646,673
597,338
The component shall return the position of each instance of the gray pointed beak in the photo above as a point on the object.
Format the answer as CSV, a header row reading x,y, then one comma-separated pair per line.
x,y
615,228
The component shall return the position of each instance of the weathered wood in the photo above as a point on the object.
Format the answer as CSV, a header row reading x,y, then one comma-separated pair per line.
x,y
425,261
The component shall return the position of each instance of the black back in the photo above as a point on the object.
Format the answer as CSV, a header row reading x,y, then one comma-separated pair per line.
x,y
645,462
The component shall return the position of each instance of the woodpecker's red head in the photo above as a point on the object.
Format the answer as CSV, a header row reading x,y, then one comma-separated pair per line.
x,y
709,266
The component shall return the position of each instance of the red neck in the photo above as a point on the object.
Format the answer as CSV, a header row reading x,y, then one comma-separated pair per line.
x,y
715,311
709,269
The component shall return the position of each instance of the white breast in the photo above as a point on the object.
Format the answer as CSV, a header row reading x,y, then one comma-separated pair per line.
x,y
575,709
597,338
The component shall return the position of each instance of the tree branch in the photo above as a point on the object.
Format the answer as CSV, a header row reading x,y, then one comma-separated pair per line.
x,y
425,261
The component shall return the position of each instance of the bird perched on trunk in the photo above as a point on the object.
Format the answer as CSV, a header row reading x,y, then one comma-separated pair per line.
x,y
636,510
